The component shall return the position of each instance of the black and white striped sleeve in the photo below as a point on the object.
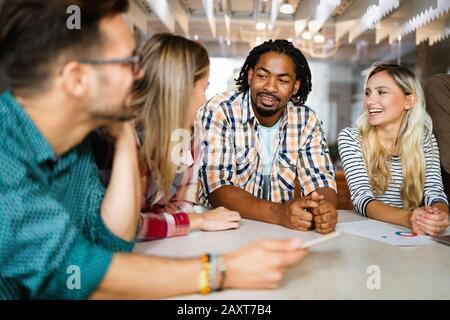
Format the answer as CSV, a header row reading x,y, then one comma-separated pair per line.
x,y
355,170
433,188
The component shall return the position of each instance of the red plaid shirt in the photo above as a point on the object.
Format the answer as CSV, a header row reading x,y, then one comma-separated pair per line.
x,y
161,220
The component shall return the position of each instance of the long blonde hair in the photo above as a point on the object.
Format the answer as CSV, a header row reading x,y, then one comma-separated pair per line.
x,y
172,64
415,125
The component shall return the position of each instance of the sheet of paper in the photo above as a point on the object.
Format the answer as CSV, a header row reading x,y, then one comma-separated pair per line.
x,y
385,232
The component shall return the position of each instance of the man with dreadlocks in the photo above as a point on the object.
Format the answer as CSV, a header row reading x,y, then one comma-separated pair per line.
x,y
264,151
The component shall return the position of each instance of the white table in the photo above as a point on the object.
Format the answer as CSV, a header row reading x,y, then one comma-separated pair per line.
x,y
336,269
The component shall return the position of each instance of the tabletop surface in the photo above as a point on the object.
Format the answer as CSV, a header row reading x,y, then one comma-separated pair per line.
x,y
336,269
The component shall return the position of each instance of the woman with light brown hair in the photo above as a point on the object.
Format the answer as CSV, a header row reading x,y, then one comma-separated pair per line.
x,y
171,90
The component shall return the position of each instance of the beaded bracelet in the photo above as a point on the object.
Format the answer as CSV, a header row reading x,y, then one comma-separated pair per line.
x,y
212,266
211,263
223,272
204,286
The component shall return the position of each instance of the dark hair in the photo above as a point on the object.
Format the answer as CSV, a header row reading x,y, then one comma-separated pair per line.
x,y
302,70
34,33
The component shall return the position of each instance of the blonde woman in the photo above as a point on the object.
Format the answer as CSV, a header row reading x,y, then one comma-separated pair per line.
x,y
172,89
391,159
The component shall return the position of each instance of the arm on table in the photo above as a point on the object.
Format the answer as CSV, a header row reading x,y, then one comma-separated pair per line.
x,y
246,204
384,212
290,214
258,265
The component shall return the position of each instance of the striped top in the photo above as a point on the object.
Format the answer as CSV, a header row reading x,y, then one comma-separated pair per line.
x,y
231,150
358,181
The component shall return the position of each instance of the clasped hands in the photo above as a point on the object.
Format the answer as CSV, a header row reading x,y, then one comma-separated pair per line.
x,y
309,212
429,220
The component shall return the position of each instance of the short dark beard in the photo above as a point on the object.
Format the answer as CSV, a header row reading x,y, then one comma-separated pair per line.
x,y
266,113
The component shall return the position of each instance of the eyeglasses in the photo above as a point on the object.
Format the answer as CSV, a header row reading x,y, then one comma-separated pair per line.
x,y
134,61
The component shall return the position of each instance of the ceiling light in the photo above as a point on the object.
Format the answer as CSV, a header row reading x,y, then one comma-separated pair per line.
x,y
286,8
306,35
319,38
260,26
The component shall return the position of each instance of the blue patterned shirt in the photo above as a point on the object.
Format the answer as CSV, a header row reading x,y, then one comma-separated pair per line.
x,y
53,242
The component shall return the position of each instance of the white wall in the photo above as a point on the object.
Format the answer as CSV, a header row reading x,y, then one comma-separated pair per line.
x,y
319,97
222,74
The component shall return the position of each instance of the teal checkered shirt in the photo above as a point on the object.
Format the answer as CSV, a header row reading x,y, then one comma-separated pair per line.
x,y
53,242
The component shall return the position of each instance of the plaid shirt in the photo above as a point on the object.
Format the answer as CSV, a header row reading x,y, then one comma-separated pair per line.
x,y
231,150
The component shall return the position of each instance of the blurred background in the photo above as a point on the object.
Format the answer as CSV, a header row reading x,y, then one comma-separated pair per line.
x,y
341,39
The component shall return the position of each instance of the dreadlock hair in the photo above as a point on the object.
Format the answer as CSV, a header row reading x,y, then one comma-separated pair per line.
x,y
302,70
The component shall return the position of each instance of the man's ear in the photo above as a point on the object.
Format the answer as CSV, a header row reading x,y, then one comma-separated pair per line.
x,y
296,86
249,76
411,101
74,79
